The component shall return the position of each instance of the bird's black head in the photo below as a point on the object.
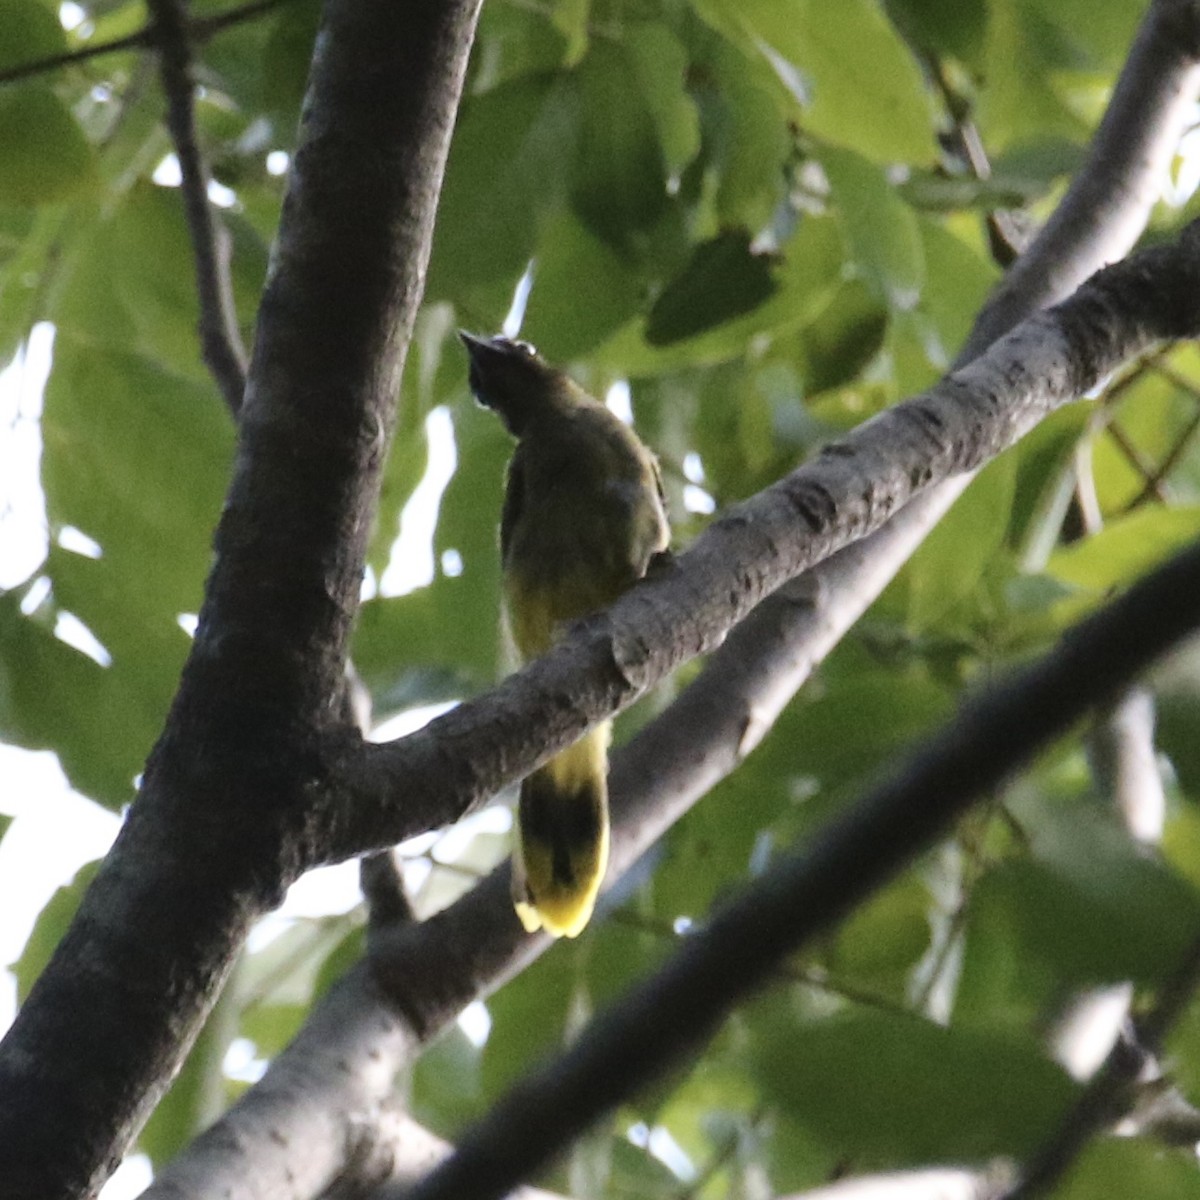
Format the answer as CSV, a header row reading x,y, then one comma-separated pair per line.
x,y
508,377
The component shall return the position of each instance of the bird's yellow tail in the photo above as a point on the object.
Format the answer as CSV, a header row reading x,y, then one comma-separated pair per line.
x,y
562,838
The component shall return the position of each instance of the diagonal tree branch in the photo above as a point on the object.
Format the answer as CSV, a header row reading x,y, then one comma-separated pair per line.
x,y
849,490
1121,179
679,1008
220,338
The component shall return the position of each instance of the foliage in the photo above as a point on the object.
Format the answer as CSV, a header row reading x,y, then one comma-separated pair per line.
x,y
755,214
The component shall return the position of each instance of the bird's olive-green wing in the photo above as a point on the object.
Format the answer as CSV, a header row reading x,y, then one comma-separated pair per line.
x,y
514,502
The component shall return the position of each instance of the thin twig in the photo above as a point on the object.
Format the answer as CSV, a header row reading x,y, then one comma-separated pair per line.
x,y
1137,460
42,66
201,29
220,339
1154,486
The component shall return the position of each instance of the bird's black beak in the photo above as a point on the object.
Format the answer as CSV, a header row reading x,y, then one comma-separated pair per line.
x,y
475,345
483,358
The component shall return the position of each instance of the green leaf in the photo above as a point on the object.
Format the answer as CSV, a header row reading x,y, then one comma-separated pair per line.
x,y
859,85
885,938
746,136
137,459
951,562
52,697
1178,735
1154,414
439,641
958,281
31,32
349,950
1097,31
1126,548
1183,1052
508,163
446,1089
1091,907
887,1090
1021,103
660,64
432,362
954,27
563,319
49,928
723,279
881,231
734,432
515,41
718,846
285,58
636,1172
1125,1166
914,353
46,158
272,1026
529,1020
850,729
131,284
808,275
1044,455
841,341
618,181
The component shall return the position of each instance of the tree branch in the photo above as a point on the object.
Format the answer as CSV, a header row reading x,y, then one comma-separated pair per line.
x,y
199,28
679,1008
223,821
220,338
849,490
1121,179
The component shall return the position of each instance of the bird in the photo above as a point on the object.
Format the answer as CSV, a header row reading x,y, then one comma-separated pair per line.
x,y
584,516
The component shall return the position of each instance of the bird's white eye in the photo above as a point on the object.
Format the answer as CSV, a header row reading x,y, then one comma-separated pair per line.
x,y
526,348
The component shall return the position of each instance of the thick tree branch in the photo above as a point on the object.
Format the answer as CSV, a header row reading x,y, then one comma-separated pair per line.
x,y
220,338
223,822
398,1148
679,1008
849,490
